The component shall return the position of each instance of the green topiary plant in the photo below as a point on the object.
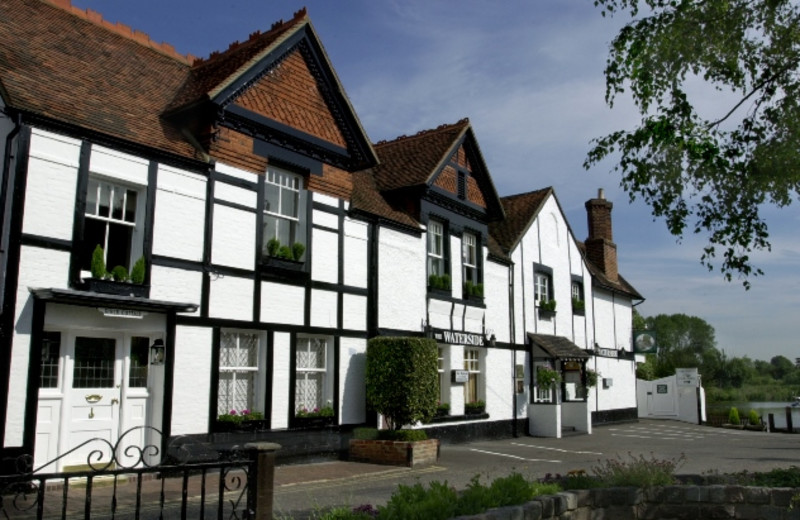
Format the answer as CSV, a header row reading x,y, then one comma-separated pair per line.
x,y
549,305
120,273
546,377
733,416
401,379
753,418
297,250
273,246
285,252
98,265
138,271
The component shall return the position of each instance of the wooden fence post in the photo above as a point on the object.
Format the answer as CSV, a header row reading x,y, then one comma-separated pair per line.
x,y
262,483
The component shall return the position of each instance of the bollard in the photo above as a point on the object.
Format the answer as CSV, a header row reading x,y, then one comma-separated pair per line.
x,y
789,426
771,419
262,480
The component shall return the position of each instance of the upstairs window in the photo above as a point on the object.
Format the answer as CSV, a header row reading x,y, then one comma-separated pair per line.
x,y
436,259
470,261
114,220
543,287
283,225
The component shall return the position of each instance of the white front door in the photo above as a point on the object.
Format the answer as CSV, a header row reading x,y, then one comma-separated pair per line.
x,y
93,381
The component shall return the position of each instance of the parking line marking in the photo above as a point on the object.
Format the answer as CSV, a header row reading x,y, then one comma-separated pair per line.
x,y
515,456
556,449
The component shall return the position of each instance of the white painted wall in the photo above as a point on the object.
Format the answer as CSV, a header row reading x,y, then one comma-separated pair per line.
x,y
402,283
231,297
282,363
192,386
180,209
282,303
234,237
177,285
495,297
50,191
325,256
356,268
352,389
323,308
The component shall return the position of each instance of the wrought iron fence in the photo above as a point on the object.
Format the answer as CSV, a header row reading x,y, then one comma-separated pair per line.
x,y
122,482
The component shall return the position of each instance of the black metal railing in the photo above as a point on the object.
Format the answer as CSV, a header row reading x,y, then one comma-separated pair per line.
x,y
122,482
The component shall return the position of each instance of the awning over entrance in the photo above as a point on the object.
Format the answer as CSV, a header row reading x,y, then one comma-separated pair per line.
x,y
556,347
113,301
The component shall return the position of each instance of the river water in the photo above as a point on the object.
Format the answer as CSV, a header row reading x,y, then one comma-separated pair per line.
x,y
778,408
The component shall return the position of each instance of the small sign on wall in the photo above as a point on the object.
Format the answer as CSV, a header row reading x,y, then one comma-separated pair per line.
x,y
460,376
662,389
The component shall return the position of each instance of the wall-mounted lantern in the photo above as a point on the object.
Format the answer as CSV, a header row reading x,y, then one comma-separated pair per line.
x,y
157,352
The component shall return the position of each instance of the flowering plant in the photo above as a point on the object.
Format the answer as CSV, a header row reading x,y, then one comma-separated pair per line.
x,y
325,411
478,406
238,417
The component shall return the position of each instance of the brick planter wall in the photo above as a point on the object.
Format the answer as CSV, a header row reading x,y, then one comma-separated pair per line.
x,y
395,453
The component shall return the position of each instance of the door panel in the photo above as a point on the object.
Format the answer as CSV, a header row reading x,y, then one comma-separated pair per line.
x,y
93,379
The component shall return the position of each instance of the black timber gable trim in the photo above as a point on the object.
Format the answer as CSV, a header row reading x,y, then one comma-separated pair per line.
x,y
359,154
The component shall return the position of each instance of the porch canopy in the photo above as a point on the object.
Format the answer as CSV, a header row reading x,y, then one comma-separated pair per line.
x,y
546,346
92,299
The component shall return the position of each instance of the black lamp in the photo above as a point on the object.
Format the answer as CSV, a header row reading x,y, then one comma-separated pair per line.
x,y
157,352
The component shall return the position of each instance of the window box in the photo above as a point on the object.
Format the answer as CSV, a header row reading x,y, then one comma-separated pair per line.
x,y
578,307
244,426
475,408
307,423
284,264
547,309
113,287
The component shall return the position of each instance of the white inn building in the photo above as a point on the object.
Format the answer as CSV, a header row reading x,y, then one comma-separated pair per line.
x,y
257,240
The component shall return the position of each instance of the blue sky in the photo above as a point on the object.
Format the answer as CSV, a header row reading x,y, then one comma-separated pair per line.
x,y
529,75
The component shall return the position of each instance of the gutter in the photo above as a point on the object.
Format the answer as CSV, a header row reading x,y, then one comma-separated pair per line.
x,y
6,170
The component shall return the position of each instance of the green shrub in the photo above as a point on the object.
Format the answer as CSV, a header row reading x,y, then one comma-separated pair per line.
x,y
733,416
639,471
753,418
297,251
273,246
478,406
591,378
578,305
504,491
365,434
549,305
402,435
547,377
345,513
120,273
138,271
98,265
401,379
438,502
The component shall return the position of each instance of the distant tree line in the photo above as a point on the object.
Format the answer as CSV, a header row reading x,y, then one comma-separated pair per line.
x,y
688,342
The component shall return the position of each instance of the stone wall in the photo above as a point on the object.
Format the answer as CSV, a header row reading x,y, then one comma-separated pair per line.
x,y
661,503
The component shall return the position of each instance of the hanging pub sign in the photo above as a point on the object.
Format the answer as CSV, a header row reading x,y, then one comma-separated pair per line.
x,y
455,337
644,342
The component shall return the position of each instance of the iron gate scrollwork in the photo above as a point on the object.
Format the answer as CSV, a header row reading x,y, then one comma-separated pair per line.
x,y
127,481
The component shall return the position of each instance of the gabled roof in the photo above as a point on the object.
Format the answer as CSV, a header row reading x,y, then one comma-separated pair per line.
x,y
521,211
413,163
67,66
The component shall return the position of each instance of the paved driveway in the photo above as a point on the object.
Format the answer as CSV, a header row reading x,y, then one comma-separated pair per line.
x,y
706,450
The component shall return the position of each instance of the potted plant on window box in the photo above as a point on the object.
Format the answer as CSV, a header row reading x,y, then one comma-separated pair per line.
x,y
547,309
473,291
284,258
242,420
316,418
442,410
439,284
475,407
578,307
118,281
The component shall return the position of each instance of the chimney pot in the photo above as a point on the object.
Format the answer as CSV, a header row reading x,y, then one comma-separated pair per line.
x,y
601,194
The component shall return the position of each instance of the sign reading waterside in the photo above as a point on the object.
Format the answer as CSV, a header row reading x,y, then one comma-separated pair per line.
x,y
454,337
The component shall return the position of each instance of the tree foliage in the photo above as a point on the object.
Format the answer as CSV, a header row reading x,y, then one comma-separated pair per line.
x,y
401,379
708,172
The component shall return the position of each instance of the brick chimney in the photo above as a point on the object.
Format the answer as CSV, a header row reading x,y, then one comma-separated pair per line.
x,y
600,247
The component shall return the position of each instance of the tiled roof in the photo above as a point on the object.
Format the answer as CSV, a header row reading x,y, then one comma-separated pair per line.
x,y
558,347
76,70
221,68
520,211
411,161
366,198
600,279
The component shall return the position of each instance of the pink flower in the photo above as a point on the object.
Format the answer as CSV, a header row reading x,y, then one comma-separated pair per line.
x,y
233,412
245,412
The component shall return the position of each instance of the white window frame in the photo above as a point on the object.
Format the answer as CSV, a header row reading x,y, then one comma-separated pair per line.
x,y
542,283
444,390
280,181
436,264
305,373
469,257
472,364
255,401
113,187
